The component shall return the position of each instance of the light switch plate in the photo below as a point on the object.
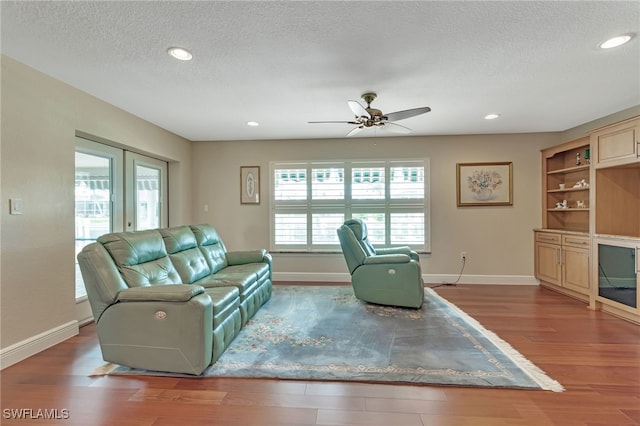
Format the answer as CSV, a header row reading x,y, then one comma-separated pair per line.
x,y
15,205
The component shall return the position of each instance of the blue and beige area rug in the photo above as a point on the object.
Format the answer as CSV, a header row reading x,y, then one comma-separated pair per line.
x,y
325,333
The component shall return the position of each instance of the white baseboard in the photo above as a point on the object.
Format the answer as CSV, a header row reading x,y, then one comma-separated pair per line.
x,y
427,278
83,312
335,277
33,345
482,279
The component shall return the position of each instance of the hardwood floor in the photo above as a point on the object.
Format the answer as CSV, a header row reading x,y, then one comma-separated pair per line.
x,y
595,356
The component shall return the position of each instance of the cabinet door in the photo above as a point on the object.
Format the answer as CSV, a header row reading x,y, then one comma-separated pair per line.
x,y
575,272
547,263
617,145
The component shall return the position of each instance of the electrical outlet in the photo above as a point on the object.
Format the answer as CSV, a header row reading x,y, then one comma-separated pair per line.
x,y
463,255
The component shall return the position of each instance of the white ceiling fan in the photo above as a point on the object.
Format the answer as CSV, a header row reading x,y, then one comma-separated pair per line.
x,y
372,117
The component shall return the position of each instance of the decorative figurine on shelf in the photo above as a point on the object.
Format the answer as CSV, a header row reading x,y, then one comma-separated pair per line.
x,y
587,155
562,205
578,162
581,184
580,204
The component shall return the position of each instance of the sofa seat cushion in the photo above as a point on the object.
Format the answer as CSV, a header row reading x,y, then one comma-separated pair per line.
x,y
254,270
225,301
242,281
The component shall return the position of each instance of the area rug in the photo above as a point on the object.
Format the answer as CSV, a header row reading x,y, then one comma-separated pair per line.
x,y
325,333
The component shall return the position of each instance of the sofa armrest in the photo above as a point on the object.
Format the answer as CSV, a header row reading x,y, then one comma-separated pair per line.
x,y
160,293
387,258
248,256
169,335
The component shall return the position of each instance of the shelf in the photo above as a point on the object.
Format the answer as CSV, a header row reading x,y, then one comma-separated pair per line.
x,y
559,168
569,169
568,190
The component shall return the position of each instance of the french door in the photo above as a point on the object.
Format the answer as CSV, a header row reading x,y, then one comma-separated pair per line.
x,y
146,192
115,190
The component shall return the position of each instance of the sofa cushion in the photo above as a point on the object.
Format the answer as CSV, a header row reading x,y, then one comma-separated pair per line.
x,y
141,258
183,251
242,281
225,301
253,270
211,246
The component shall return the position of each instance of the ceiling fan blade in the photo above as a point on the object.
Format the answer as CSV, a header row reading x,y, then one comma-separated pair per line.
x,y
396,128
342,122
407,113
355,131
358,109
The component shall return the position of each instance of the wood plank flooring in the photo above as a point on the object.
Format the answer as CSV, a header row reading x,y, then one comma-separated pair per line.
x,y
595,356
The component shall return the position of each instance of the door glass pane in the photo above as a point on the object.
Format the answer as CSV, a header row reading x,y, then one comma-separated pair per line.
x,y
92,202
147,197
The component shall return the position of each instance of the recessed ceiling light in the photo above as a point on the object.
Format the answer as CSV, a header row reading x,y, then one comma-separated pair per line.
x,y
615,41
491,116
253,123
180,53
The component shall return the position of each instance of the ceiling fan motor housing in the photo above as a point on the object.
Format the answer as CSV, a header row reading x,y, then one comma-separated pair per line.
x,y
376,114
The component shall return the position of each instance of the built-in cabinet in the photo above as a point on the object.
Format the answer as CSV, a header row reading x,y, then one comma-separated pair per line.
x,y
562,262
615,219
563,247
589,243
565,185
617,145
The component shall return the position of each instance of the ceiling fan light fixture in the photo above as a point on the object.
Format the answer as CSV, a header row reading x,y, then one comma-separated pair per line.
x,y
615,41
253,123
180,53
491,116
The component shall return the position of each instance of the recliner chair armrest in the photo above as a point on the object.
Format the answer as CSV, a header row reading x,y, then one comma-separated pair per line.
x,y
399,250
160,293
387,258
248,256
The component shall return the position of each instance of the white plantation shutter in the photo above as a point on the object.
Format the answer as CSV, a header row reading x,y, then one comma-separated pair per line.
x,y
310,200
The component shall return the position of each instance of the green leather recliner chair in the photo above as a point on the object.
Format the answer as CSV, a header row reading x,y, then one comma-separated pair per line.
x,y
387,276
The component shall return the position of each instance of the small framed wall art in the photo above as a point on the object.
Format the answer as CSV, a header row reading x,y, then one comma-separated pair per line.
x,y
484,184
249,184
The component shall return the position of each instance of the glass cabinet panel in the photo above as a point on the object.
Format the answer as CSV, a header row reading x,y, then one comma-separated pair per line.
x,y
617,274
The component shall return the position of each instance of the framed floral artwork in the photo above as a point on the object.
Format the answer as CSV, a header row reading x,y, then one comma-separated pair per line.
x,y
249,185
484,184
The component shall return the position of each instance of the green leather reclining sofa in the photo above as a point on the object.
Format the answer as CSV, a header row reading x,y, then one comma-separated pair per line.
x,y
171,299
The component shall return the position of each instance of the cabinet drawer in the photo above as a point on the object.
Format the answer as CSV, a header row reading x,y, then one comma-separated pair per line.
x,y
575,241
546,237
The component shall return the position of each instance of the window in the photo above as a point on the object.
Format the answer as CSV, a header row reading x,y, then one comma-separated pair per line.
x,y
311,200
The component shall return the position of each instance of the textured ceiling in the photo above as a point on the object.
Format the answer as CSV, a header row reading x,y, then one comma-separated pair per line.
x,y
283,64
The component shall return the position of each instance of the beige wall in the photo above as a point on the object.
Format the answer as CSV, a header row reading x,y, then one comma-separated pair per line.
x,y
583,129
498,240
40,116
